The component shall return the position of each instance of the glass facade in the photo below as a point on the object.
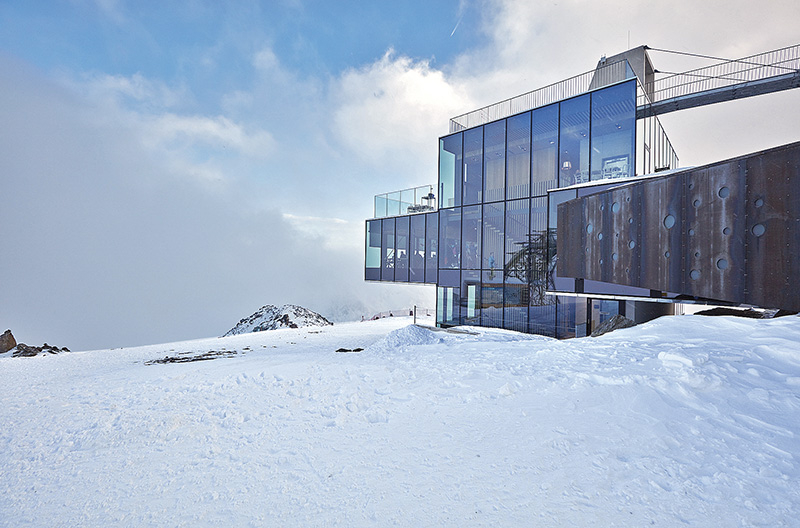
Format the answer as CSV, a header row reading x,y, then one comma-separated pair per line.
x,y
491,247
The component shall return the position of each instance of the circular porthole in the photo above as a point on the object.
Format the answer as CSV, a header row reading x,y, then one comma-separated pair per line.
x,y
724,192
669,221
691,232
614,257
696,203
615,207
589,228
726,231
759,202
666,254
631,244
722,264
759,229
599,236
694,274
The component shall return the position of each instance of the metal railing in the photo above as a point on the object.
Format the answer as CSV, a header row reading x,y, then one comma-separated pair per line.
x,y
408,201
776,63
593,79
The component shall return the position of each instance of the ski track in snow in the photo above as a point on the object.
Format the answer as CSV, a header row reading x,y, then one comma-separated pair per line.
x,y
684,421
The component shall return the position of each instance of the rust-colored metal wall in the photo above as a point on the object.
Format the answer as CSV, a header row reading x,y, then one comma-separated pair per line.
x,y
728,231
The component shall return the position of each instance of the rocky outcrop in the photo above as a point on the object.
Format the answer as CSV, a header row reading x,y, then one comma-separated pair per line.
x,y
23,350
7,342
615,323
271,317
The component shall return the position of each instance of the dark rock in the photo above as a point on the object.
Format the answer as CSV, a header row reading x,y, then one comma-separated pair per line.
x,y
7,341
23,350
738,312
615,323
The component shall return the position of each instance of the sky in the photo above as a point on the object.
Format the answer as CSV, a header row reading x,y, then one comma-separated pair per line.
x,y
166,168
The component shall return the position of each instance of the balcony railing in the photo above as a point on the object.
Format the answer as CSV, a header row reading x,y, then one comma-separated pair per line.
x,y
408,201
593,79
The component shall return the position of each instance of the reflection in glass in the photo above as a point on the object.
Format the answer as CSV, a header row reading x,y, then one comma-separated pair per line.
x,y
492,299
373,251
450,238
431,247
494,152
387,249
544,155
574,141
471,237
417,249
515,302
613,139
450,171
470,298
518,156
492,247
473,166
401,249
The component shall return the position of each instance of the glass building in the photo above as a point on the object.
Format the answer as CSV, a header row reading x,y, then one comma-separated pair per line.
x,y
485,234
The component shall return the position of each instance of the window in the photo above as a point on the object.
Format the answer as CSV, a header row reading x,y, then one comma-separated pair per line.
x,y
401,249
416,268
494,161
471,237
450,171
544,150
387,249
613,138
518,156
372,265
473,166
573,161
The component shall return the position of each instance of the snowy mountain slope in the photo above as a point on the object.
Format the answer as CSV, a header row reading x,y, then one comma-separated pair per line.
x,y
682,421
271,317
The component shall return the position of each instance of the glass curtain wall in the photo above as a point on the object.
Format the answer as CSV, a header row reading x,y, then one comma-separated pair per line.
x,y
496,244
431,247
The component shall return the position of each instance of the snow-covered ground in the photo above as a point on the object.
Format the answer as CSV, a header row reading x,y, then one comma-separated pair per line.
x,y
683,421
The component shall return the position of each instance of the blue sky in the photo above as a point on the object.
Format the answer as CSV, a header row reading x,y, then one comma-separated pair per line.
x,y
166,168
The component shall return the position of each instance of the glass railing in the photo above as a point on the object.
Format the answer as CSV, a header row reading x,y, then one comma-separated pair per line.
x,y
408,201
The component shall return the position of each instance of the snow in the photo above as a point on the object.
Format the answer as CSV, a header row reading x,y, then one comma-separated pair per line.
x,y
682,421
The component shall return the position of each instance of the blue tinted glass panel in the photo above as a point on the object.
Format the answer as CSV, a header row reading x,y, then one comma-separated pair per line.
x,y
450,171
387,249
516,231
473,166
515,302
372,260
518,156
450,238
401,249
494,161
542,318
471,237
544,155
614,131
574,141
570,317
447,309
416,269
541,254
492,247
471,298
431,247
492,298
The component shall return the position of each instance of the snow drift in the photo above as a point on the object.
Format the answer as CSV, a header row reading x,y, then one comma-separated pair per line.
x,y
682,421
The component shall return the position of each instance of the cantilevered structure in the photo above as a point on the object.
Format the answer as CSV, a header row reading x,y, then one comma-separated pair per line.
x,y
559,208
